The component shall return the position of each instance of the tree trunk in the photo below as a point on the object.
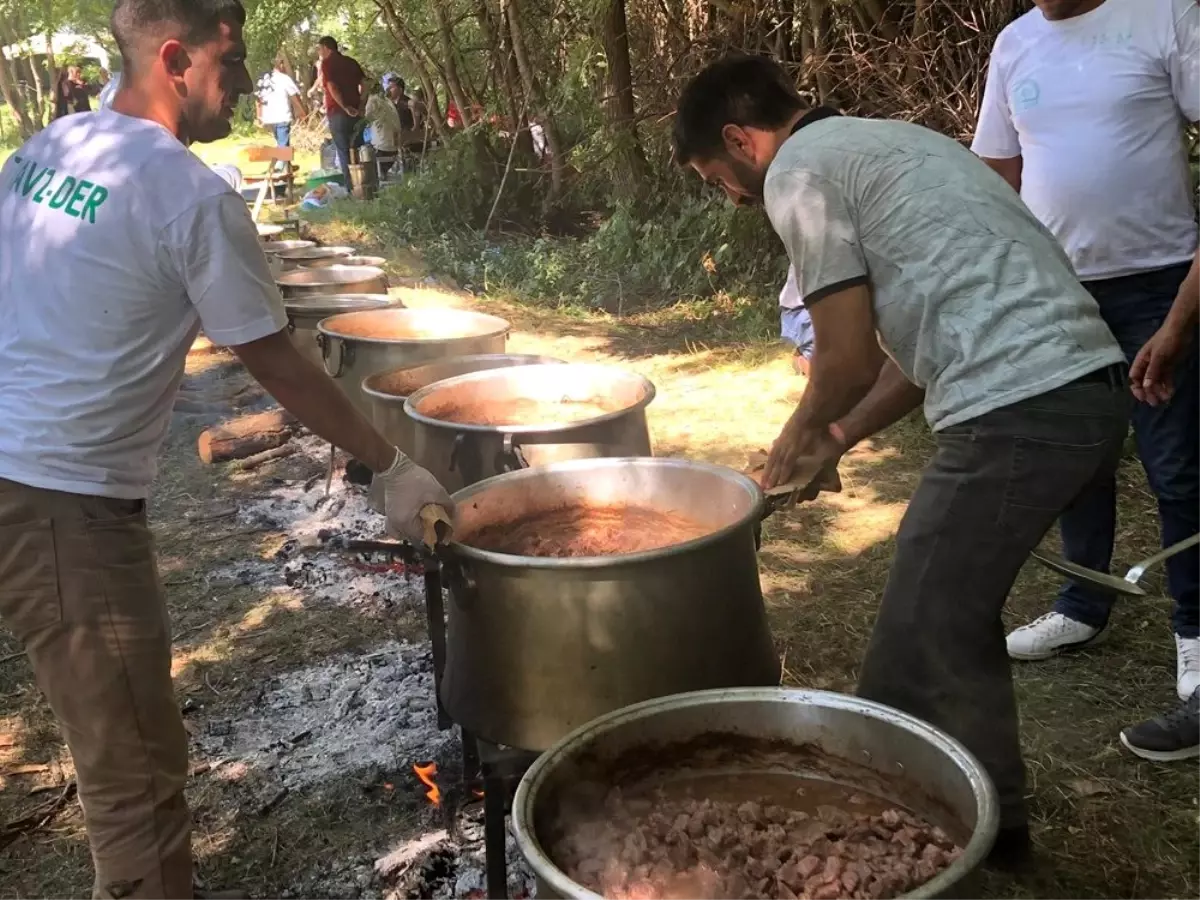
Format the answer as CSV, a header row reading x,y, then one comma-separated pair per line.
x,y
920,28
818,17
52,73
404,39
622,114
506,78
450,64
12,96
537,98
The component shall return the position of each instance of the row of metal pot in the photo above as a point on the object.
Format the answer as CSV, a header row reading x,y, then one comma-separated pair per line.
x,y
589,656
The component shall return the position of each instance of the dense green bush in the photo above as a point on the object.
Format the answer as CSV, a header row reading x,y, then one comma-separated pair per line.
x,y
679,242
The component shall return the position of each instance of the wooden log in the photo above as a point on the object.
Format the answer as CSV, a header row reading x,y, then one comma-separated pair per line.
x,y
246,435
253,462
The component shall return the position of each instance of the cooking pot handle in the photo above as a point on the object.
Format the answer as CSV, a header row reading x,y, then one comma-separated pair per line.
x,y
510,458
462,584
344,356
456,450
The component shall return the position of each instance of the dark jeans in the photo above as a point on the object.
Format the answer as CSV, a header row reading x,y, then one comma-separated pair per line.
x,y
994,487
1168,442
347,132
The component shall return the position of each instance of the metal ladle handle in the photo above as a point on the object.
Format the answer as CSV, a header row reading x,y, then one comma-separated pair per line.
x,y
1135,573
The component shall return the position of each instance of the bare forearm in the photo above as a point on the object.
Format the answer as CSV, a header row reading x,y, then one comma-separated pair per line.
x,y
890,399
833,390
1008,169
312,397
1185,311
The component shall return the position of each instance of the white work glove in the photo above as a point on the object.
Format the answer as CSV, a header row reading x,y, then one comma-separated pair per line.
x,y
407,489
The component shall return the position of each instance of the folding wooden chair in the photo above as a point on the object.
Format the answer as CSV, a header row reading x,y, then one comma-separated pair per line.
x,y
271,179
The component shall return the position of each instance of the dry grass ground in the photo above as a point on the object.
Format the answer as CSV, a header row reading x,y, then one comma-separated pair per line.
x,y
1106,824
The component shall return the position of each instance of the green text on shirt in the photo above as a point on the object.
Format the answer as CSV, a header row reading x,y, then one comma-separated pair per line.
x,y
77,197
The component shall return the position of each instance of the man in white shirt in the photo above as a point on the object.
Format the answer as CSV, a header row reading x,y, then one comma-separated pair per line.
x,y
1083,114
278,102
109,91
116,245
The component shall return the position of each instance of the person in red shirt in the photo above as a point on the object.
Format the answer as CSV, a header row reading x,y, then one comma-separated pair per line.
x,y
342,79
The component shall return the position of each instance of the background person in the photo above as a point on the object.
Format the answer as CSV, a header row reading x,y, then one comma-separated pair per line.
x,y
795,323
278,103
104,101
384,119
918,248
110,267
71,93
342,80
1085,98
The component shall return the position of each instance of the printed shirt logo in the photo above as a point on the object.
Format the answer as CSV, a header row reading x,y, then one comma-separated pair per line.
x,y
75,197
1026,94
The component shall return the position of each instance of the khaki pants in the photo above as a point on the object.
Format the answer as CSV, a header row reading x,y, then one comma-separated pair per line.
x,y
79,589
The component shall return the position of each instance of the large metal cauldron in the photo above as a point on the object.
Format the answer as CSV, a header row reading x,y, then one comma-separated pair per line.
x,y
359,344
299,256
387,391
536,646
305,312
376,261
460,454
870,745
275,248
304,282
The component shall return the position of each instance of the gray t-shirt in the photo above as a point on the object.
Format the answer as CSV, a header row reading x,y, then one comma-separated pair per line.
x,y
974,299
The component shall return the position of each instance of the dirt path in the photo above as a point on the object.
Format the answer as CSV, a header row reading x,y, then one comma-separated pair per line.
x,y
289,674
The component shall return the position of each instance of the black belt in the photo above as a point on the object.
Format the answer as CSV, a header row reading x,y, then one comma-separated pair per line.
x,y
1115,375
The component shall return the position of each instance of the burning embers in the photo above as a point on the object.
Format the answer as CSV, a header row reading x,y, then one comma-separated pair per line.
x,y
427,773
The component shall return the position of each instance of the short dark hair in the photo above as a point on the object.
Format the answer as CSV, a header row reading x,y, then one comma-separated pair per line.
x,y
328,43
191,21
750,91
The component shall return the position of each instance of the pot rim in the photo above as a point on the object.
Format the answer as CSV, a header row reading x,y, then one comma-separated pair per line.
x,y
986,803
319,305
574,563
377,262
322,251
503,326
648,394
363,274
273,248
389,398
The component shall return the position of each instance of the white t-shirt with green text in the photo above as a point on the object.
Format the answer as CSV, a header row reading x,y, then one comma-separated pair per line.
x,y
116,245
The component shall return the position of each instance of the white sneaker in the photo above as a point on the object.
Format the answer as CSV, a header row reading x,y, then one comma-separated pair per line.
x,y
1187,666
1051,635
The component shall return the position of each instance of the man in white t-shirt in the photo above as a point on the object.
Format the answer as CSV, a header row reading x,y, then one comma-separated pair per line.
x,y
116,245
1083,114
109,91
278,103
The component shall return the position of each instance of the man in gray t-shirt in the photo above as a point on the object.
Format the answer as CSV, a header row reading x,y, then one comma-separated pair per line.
x,y
904,240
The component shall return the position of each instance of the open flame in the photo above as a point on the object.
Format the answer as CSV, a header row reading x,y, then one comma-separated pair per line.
x,y
427,775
